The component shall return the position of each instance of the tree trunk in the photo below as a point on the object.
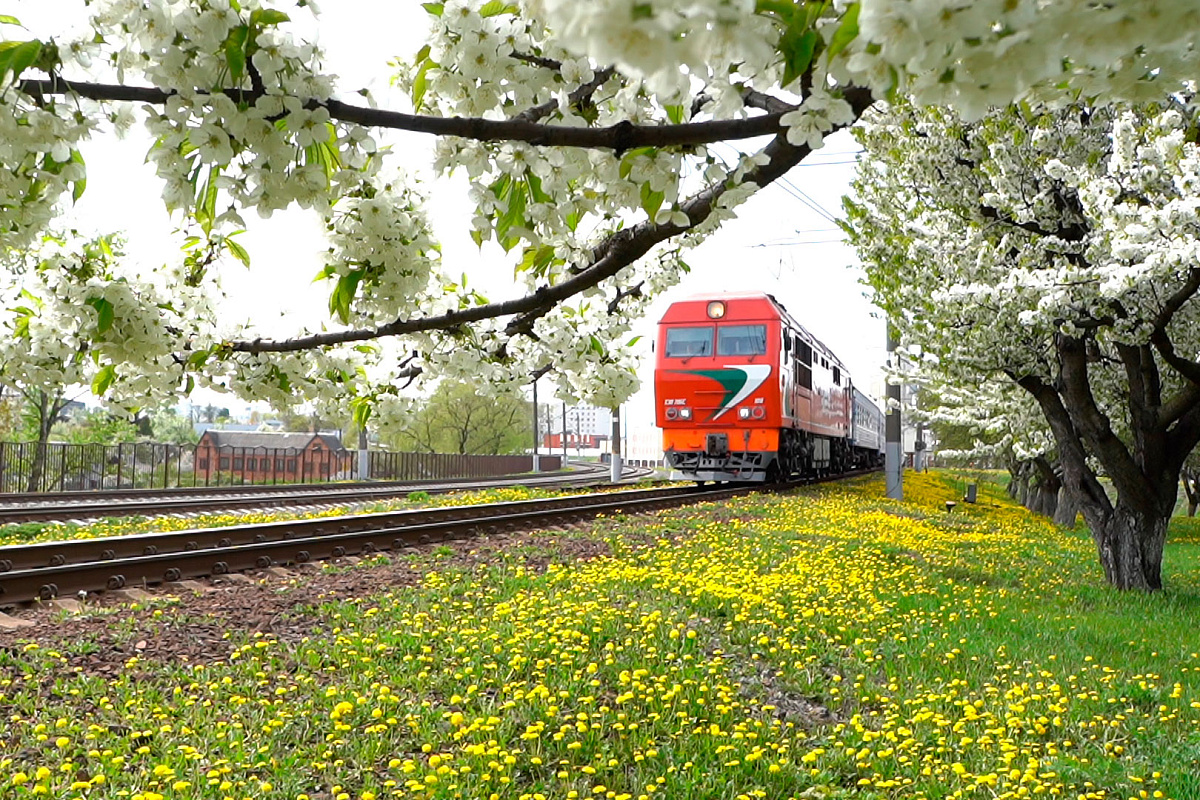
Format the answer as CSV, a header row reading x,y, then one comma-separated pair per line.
x,y
1068,509
47,411
1049,505
1131,544
1191,488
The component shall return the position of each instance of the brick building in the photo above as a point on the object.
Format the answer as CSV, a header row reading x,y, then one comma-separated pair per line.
x,y
267,456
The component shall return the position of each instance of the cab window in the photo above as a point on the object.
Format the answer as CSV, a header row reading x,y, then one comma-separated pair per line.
x,y
742,340
689,342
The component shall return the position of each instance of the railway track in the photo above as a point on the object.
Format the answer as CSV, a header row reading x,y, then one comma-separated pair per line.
x,y
47,570
150,502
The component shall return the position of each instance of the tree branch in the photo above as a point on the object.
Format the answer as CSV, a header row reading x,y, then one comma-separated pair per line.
x,y
1177,300
619,137
578,95
1094,426
614,253
1081,481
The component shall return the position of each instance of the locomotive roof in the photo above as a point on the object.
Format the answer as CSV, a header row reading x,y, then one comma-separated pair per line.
x,y
782,312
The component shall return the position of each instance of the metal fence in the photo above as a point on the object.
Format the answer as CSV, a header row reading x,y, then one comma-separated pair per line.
x,y
151,465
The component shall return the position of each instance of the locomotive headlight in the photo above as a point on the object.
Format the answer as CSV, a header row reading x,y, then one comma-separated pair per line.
x,y
758,412
743,413
685,413
672,412
716,309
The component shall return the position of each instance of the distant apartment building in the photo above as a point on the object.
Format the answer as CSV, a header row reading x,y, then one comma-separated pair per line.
x,y
264,456
581,421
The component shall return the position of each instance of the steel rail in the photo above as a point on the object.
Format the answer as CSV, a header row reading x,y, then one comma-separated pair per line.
x,y
150,568
182,503
46,583
108,548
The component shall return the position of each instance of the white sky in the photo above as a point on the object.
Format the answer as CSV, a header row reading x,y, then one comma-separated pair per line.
x,y
778,244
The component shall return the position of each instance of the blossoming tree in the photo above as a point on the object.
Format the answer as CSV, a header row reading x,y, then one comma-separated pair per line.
x,y
1057,250
585,129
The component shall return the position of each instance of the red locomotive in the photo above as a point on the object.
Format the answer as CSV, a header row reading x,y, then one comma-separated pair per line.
x,y
744,393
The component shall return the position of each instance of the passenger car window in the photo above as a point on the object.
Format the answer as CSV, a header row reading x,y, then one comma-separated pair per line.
x,y
689,342
742,340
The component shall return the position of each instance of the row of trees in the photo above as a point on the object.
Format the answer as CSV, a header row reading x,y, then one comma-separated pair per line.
x,y
1042,264
585,130
454,419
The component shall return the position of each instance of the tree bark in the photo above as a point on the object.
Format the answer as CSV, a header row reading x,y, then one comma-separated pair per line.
x,y
48,408
1068,509
1131,545
1191,488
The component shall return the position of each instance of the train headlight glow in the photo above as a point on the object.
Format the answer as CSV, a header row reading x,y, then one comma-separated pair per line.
x,y
758,412
743,413
685,413
716,309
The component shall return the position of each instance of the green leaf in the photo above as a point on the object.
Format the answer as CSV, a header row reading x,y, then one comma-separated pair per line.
x,y
235,52
269,16
534,184
197,359
435,9
797,53
6,19
78,187
536,258
515,193
104,313
206,201
651,200
16,57
628,158
784,9
847,31
496,7
104,379
596,346
343,294
237,251
675,114
420,84
633,341
361,408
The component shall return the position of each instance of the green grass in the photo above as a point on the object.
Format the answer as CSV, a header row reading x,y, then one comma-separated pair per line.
x,y
825,644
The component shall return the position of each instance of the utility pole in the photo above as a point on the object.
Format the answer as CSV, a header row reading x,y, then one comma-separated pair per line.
x,y
536,466
893,450
364,457
564,433
615,477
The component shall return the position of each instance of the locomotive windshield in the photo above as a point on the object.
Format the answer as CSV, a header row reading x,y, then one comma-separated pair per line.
x,y
742,340
689,342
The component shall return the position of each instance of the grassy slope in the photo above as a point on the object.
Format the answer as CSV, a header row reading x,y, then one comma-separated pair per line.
x,y
826,644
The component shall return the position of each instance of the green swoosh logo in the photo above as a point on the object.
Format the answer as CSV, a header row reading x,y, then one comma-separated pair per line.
x,y
737,381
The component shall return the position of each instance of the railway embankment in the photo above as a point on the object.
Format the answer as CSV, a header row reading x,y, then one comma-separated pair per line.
x,y
821,643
